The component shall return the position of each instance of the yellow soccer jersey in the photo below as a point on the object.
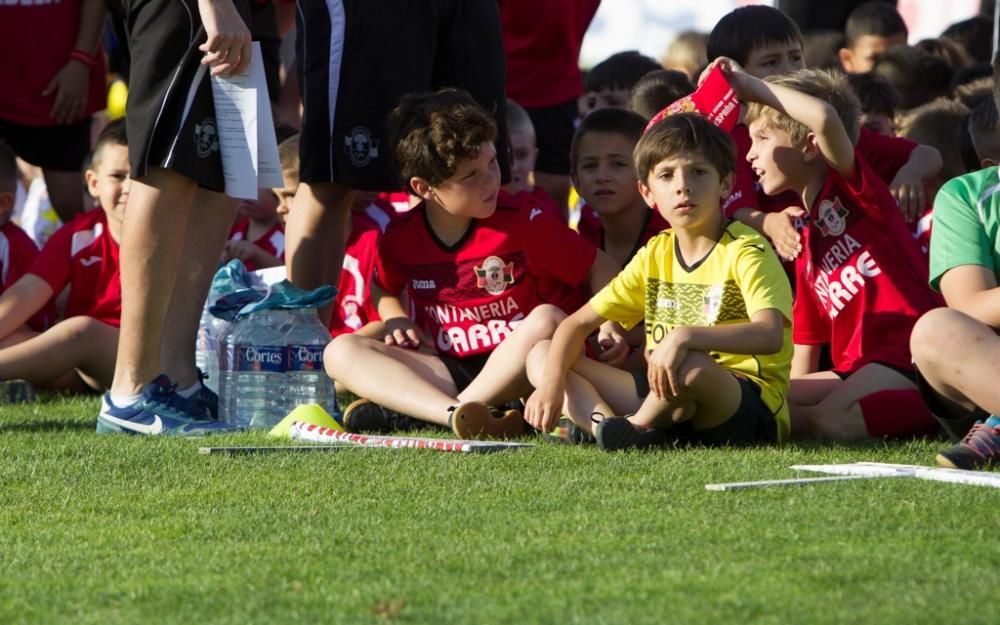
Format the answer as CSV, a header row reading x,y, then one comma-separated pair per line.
x,y
740,276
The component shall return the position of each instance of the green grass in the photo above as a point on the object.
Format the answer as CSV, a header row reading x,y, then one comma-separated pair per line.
x,y
113,529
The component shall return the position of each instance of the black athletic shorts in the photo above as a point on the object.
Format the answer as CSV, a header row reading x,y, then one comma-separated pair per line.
x,y
464,370
954,419
170,115
57,148
753,422
357,58
554,129
906,373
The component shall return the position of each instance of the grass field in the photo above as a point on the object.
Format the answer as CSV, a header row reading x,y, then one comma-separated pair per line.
x,y
112,529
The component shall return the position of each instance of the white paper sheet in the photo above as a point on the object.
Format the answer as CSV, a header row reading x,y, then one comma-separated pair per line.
x,y
246,131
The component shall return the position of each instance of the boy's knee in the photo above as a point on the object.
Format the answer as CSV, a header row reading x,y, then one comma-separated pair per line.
x,y
932,336
77,328
536,361
338,353
541,323
695,370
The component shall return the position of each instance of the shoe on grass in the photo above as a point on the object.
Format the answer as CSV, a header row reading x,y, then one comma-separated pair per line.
x,y
568,432
476,420
619,434
159,411
17,392
365,416
980,448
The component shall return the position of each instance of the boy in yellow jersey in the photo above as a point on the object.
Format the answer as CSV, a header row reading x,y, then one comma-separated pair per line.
x,y
717,309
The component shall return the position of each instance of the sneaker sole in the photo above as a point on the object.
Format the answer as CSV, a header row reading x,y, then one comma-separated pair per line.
x,y
616,434
475,421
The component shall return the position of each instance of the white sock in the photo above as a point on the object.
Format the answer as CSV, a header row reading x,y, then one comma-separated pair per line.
x,y
191,390
124,401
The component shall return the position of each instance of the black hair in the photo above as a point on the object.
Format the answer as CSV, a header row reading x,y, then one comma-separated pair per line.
x,y
975,35
875,93
918,76
745,29
620,71
657,89
877,18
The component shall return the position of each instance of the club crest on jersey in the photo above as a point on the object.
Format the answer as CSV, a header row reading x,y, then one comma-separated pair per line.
x,y
206,137
830,219
494,275
360,147
712,303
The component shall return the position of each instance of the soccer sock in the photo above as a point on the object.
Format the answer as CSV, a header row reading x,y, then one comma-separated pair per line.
x,y
896,413
124,401
191,390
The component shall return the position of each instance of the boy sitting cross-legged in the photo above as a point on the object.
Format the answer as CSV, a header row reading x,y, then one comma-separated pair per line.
x,y
77,353
716,306
471,270
861,279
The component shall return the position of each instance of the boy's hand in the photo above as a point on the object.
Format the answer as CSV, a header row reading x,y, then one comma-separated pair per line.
x,y
780,228
245,251
908,189
70,84
402,332
665,363
227,49
613,343
544,407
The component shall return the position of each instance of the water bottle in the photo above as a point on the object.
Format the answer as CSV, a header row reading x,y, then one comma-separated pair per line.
x,y
306,382
255,373
208,348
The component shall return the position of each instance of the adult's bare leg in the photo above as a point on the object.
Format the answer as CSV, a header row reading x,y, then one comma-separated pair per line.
x,y
207,229
315,235
152,243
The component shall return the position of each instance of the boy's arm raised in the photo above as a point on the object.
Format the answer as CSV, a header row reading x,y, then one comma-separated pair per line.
x,y
544,407
818,116
22,300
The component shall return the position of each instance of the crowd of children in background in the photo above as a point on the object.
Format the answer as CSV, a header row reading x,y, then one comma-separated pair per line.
x,y
773,277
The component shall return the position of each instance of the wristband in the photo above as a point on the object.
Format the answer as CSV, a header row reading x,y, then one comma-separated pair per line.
x,y
83,57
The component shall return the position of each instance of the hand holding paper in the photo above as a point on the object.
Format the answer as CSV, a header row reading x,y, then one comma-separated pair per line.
x,y
246,130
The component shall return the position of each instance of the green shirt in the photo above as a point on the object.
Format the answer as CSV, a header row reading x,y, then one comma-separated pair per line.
x,y
966,227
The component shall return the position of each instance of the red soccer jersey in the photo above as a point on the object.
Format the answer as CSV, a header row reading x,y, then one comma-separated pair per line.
x,y
83,255
744,193
272,241
861,281
17,251
471,295
536,198
36,39
593,230
353,306
542,43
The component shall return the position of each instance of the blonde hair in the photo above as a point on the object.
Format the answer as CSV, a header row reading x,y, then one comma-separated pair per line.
x,y
830,87
288,154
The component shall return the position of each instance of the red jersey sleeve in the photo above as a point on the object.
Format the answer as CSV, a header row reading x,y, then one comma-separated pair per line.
x,y
884,154
744,193
552,249
388,276
18,252
53,263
